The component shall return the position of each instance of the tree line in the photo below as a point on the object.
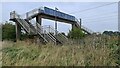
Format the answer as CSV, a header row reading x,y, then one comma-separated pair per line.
x,y
9,32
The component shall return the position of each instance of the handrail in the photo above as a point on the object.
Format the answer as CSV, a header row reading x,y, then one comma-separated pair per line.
x,y
40,27
23,26
51,37
33,12
90,31
64,36
61,38
54,40
83,27
33,28
48,26
48,34
38,30
18,18
77,21
60,34
49,29
30,13
28,27
24,16
45,29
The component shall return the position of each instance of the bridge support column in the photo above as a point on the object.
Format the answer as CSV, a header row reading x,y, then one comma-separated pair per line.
x,y
80,22
39,19
73,26
18,31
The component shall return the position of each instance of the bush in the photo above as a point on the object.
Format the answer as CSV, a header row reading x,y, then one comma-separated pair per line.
x,y
23,54
8,31
76,33
116,33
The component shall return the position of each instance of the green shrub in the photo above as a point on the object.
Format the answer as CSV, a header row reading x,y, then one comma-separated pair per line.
x,y
76,33
23,54
8,31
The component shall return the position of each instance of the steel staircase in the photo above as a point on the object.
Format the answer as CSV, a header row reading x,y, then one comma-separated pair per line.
x,y
27,26
14,16
46,33
34,12
42,31
40,34
83,27
59,38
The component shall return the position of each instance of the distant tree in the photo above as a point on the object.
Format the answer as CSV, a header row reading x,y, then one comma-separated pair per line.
x,y
111,33
75,33
106,32
8,31
117,33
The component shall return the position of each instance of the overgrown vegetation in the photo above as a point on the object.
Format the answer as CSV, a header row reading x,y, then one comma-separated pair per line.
x,y
76,33
95,51
8,31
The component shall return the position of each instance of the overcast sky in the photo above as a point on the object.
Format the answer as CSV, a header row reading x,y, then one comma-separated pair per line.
x,y
98,19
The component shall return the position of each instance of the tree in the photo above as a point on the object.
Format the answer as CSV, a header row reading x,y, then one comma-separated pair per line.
x,y
116,33
75,33
8,31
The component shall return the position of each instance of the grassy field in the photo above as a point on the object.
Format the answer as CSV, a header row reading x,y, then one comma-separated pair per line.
x,y
91,51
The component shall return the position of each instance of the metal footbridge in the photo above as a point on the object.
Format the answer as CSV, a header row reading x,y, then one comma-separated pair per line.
x,y
43,32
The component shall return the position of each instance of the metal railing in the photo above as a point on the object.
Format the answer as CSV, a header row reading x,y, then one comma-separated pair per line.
x,y
16,16
13,15
51,37
31,13
45,30
60,34
27,26
50,29
88,30
39,32
38,29
77,21
83,27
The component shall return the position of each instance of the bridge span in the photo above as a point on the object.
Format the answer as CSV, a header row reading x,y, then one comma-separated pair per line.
x,y
23,21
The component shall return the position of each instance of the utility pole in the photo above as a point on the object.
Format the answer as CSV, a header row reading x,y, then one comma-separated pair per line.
x,y
55,24
80,22
119,22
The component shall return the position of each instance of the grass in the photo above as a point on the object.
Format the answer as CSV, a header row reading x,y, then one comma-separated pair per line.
x,y
94,51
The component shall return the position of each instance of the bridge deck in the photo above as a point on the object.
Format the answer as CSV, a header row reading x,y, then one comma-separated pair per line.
x,y
51,14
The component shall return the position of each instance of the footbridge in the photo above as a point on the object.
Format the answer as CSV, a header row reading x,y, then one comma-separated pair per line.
x,y
23,21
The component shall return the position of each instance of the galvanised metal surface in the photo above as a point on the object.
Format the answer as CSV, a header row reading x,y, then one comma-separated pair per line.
x,y
53,12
